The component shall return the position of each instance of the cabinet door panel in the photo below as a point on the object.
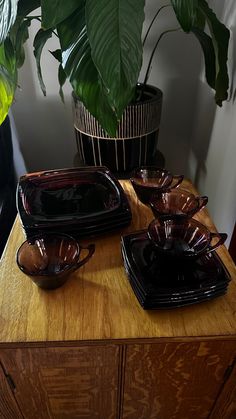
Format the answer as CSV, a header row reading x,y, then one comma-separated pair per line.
x,y
174,380
225,407
65,383
8,406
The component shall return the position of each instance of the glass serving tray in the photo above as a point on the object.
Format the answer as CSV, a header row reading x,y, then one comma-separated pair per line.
x,y
81,195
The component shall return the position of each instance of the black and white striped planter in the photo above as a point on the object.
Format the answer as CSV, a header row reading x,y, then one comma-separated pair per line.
x,y
136,140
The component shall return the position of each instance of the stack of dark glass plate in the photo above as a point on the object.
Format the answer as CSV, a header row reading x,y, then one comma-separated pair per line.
x,y
82,202
160,285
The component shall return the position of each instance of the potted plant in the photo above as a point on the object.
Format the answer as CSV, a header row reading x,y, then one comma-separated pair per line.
x,y
101,54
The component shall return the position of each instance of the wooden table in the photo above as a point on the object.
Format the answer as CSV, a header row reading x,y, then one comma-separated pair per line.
x,y
88,350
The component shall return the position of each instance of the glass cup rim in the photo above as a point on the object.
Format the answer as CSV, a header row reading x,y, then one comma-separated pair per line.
x,y
45,235
204,230
173,192
135,173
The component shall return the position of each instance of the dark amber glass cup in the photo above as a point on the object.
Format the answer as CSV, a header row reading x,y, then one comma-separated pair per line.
x,y
177,204
149,180
48,259
187,240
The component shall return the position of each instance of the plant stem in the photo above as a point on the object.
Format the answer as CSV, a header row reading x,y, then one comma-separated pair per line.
x,y
40,20
33,17
154,50
153,20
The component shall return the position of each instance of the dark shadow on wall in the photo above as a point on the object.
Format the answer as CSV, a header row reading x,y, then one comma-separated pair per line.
x,y
44,124
232,89
47,134
205,105
178,64
204,116
176,122
7,183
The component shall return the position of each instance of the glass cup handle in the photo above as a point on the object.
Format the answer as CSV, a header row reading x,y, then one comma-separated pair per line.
x,y
179,179
202,201
221,239
91,250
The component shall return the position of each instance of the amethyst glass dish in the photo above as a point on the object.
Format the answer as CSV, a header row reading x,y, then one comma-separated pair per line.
x,y
149,180
189,239
161,285
176,204
81,202
49,259
63,194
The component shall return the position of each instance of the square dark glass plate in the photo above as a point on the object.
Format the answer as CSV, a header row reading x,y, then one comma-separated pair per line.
x,y
83,196
157,305
78,231
156,278
172,297
160,304
82,225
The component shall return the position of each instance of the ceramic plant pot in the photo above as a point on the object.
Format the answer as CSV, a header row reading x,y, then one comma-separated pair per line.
x,y
137,134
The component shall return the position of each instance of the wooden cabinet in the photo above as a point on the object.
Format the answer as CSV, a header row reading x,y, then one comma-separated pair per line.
x,y
88,350
225,406
8,405
64,383
175,380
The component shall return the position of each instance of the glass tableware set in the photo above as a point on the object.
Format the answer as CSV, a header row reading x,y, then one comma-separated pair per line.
x,y
173,263
59,207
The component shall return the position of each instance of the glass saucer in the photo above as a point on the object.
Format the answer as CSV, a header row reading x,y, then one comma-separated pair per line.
x,y
173,294
161,305
159,284
78,231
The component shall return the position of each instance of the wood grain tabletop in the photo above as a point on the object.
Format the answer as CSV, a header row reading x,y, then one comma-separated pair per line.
x,y
97,302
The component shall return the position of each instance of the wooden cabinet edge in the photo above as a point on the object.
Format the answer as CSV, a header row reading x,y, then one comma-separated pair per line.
x,y
225,405
8,405
119,341
121,380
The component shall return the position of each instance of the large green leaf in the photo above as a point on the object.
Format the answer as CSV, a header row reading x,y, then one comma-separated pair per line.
x,y
220,38
62,79
192,15
61,72
40,39
27,6
8,59
114,32
81,71
8,10
19,34
22,36
209,55
186,12
200,20
7,78
7,89
54,12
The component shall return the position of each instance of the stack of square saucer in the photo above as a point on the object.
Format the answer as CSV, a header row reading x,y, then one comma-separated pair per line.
x,y
159,285
82,202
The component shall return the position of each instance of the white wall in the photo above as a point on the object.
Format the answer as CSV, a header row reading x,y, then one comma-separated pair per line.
x,y
212,161
44,124
175,70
